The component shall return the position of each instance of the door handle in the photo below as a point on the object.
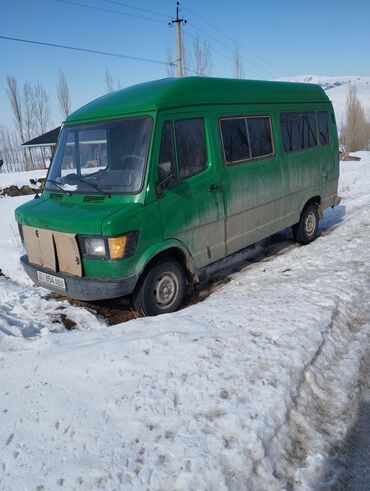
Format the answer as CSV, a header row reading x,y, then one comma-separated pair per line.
x,y
215,188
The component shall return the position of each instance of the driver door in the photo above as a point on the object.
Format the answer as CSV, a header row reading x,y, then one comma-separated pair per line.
x,y
191,205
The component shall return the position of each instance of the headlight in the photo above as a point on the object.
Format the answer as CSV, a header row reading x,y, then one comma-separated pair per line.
x,y
95,246
108,247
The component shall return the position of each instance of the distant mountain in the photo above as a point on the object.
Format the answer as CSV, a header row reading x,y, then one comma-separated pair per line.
x,y
337,88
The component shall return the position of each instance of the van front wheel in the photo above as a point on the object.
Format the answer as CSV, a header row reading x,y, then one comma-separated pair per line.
x,y
162,290
306,229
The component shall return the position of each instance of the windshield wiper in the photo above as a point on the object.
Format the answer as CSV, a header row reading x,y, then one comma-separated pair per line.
x,y
95,186
68,193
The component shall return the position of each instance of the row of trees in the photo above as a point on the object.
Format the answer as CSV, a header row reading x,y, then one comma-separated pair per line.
x,y
197,60
31,109
355,129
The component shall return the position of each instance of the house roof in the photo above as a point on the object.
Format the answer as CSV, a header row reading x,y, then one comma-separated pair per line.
x,y
190,91
45,140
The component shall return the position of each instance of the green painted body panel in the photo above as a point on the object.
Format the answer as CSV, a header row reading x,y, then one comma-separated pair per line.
x,y
257,199
191,92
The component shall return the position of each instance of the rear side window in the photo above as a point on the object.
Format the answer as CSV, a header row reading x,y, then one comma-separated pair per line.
x,y
235,140
322,119
259,130
191,146
246,138
167,162
298,130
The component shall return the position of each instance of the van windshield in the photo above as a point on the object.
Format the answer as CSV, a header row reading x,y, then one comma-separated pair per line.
x,y
107,158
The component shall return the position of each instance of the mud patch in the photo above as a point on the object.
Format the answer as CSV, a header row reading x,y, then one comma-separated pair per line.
x,y
69,324
117,311
33,188
112,312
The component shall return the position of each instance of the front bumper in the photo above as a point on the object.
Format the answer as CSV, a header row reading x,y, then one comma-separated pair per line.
x,y
83,288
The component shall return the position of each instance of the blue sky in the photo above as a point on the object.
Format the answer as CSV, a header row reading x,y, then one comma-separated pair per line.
x,y
276,38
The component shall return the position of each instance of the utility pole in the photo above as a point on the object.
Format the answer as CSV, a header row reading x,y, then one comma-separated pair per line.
x,y
179,50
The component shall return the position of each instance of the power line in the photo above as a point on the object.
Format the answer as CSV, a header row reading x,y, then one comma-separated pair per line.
x,y
228,48
110,11
122,4
233,40
211,48
86,50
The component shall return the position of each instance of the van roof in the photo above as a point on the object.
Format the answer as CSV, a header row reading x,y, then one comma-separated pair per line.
x,y
190,91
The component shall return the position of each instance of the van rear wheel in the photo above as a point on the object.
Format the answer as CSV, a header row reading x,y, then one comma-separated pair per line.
x,y
162,290
305,231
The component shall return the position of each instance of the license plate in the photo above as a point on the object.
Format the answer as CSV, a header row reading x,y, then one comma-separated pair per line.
x,y
51,280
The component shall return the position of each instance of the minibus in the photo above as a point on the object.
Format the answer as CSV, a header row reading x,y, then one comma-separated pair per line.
x,y
150,184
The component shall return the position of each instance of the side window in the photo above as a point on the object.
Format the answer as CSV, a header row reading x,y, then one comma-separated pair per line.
x,y
191,146
259,130
235,140
309,130
298,130
322,119
167,162
246,138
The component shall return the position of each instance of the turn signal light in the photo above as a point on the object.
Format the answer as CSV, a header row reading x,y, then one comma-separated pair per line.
x,y
117,246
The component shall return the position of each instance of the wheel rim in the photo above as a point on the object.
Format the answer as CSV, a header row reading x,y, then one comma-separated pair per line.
x,y
310,224
166,290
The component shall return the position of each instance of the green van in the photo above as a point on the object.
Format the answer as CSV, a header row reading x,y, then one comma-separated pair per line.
x,y
150,184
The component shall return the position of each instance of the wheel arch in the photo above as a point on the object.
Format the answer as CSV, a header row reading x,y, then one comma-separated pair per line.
x,y
314,200
173,250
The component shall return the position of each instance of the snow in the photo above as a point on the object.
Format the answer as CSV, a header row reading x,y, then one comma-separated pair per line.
x,y
20,179
250,389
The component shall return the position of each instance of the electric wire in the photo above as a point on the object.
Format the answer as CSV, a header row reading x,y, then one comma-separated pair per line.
x,y
110,11
116,2
247,62
188,34
233,40
86,50
122,4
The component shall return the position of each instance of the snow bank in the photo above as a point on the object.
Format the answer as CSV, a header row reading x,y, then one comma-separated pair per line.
x,y
20,179
250,389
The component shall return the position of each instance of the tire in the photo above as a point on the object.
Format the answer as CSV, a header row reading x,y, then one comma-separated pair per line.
x,y
162,290
306,230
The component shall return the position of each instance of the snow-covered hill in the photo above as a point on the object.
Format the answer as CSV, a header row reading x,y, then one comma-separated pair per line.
x,y
337,89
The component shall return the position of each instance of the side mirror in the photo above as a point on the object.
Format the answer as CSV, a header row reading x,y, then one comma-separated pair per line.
x,y
167,179
164,170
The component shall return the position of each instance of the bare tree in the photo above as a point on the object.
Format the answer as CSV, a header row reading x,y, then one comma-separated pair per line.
x,y
29,109
64,98
42,108
42,113
10,150
109,84
355,133
15,103
238,67
202,57
186,61
28,101
16,107
171,65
